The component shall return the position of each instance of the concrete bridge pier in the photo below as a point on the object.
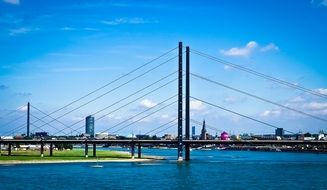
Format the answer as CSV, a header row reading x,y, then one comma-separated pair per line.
x,y
42,149
86,150
94,150
139,150
51,149
9,149
133,150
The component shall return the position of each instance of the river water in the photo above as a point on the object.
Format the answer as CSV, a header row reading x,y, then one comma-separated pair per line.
x,y
210,169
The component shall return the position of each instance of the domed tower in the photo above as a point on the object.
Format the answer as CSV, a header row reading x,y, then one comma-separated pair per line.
x,y
224,136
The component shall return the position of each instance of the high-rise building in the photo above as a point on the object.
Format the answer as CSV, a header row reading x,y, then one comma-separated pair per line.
x,y
279,132
89,125
193,132
204,131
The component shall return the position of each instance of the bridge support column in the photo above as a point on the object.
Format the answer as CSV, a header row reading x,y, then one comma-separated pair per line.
x,y
139,150
86,150
9,149
187,104
28,120
94,150
51,149
42,149
180,103
133,150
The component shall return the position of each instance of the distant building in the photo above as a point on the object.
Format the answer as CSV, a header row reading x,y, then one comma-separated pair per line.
x,y
308,137
267,137
246,136
235,137
41,134
112,136
279,132
193,132
7,137
196,137
89,126
299,137
169,137
105,136
204,135
101,135
144,137
18,137
321,135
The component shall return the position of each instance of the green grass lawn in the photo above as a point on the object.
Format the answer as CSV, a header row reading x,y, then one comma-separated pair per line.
x,y
78,154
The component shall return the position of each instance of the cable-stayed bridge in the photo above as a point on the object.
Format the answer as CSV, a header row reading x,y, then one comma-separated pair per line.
x,y
43,121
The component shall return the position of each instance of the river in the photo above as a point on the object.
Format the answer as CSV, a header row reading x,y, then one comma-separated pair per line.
x,y
209,169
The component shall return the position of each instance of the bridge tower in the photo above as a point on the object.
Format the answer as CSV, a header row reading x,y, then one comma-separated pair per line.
x,y
180,103
187,104
28,120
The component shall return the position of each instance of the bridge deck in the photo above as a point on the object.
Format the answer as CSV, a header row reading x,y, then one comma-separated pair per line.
x,y
136,141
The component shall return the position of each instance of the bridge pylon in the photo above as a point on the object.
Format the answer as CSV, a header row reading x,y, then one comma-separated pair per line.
x,y
187,104
28,120
180,103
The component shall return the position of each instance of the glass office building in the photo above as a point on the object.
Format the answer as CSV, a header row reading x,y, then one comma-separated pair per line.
x,y
89,125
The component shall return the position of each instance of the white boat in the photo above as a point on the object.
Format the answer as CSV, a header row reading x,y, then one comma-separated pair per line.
x,y
97,165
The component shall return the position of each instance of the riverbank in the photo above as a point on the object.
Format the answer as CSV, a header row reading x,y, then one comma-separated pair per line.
x,y
275,149
70,156
13,162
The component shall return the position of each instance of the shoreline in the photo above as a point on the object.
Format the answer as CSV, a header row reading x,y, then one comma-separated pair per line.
x,y
276,149
13,162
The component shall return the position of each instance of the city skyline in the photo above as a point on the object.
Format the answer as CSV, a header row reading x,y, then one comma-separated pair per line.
x,y
64,54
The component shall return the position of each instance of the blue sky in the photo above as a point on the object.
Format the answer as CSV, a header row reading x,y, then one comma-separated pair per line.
x,y
53,52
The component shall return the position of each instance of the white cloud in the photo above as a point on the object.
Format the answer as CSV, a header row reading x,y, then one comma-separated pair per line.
x,y
306,104
67,28
270,113
324,3
111,117
90,29
248,50
316,105
196,105
22,108
322,90
22,30
77,118
135,20
226,67
164,116
146,103
319,2
243,51
14,2
297,99
270,47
